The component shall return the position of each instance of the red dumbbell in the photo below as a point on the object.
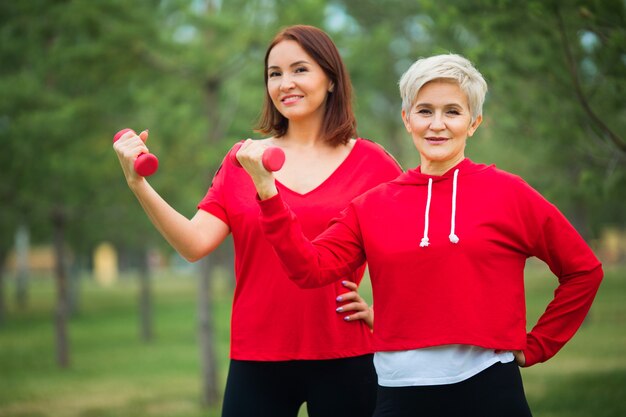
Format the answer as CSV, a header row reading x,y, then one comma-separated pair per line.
x,y
273,157
146,164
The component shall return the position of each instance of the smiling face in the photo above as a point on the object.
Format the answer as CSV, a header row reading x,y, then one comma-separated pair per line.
x,y
440,123
296,84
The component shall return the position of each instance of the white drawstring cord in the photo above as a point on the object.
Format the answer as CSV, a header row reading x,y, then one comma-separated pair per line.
x,y
453,237
424,241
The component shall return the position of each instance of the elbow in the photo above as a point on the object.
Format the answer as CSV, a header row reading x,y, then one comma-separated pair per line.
x,y
599,275
596,274
192,256
306,282
303,285
193,253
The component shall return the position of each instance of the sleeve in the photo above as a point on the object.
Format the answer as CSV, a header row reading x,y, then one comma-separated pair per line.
x,y
579,273
333,255
213,202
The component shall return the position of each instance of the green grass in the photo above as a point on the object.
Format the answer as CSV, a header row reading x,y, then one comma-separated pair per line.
x,y
113,373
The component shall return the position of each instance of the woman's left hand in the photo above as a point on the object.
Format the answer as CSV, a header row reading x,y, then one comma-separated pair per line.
x,y
250,156
520,358
356,305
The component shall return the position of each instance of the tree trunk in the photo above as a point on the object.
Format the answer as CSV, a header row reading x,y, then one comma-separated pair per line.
x,y
59,221
21,281
145,299
3,306
210,396
74,286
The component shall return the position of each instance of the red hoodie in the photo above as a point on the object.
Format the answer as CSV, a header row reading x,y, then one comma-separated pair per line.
x,y
436,292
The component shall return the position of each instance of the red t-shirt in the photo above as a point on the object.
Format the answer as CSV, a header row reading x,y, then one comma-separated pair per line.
x,y
273,319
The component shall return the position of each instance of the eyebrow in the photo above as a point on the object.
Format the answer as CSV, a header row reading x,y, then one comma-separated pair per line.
x,y
455,104
291,65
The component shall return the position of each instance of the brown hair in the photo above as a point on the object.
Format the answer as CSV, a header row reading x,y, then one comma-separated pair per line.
x,y
339,123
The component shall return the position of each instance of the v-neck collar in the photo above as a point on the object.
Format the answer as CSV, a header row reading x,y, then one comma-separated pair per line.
x,y
335,172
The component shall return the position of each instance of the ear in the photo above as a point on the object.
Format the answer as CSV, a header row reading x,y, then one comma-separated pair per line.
x,y
405,120
331,87
475,125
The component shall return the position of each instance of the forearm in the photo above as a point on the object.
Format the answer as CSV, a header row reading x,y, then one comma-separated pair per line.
x,y
329,258
563,316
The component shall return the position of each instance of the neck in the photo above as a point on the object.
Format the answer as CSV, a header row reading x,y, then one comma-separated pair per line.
x,y
437,168
304,133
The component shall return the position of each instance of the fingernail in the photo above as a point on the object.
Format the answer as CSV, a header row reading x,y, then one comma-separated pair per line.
x,y
344,283
339,309
347,318
339,298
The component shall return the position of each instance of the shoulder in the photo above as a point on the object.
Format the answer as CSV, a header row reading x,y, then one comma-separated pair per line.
x,y
368,145
517,189
371,149
491,175
515,181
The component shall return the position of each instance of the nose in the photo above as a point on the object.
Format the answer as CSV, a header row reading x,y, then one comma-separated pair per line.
x,y
286,83
437,122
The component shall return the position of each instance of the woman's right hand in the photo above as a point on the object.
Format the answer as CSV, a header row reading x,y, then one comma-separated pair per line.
x,y
128,147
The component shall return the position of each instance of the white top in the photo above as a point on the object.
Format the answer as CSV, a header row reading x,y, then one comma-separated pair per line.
x,y
437,365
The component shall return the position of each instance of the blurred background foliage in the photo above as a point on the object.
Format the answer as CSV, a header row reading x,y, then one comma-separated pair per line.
x,y
72,73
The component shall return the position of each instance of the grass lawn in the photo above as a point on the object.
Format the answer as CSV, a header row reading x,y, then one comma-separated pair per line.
x,y
113,373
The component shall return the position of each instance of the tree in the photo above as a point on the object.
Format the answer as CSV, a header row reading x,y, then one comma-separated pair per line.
x,y
564,67
56,56
556,88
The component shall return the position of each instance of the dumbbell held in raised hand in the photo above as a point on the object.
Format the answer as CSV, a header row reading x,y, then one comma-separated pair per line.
x,y
146,164
273,157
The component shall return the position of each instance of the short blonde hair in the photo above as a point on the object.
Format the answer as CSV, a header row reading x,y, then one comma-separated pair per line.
x,y
449,67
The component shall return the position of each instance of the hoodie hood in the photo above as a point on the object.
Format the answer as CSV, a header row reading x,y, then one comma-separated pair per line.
x,y
415,177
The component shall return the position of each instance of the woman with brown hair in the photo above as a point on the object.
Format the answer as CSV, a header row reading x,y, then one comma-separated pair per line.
x,y
288,345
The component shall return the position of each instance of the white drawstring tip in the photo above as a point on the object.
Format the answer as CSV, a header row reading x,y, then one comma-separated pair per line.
x,y
453,237
424,242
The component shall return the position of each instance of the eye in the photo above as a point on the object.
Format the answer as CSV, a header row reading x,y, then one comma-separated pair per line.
x,y
301,69
424,112
454,111
273,74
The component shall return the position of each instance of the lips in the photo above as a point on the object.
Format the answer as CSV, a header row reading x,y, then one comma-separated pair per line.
x,y
436,139
290,99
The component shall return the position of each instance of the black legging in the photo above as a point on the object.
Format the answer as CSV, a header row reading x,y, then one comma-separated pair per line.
x,y
331,388
495,392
